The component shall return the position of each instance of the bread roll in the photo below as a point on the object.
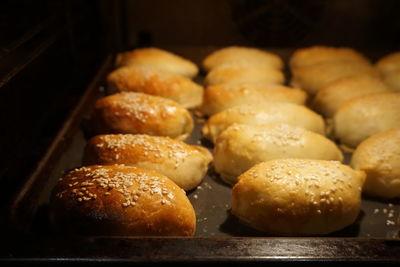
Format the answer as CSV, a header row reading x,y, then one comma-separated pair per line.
x,y
240,147
122,201
223,96
392,79
155,82
379,157
358,119
329,98
130,112
389,63
184,164
317,76
317,54
239,55
389,66
159,59
296,115
298,197
244,74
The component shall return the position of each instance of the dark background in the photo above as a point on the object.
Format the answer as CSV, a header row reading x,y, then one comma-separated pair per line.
x,y
50,50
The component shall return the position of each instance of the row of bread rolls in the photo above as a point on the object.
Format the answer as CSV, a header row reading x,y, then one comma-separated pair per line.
x,y
286,174
379,153
137,166
244,75
364,107
348,89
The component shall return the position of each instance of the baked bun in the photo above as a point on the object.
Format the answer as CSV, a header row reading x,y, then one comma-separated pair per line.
x,y
358,119
155,82
122,201
240,147
379,157
389,66
244,74
159,59
239,55
298,197
329,98
223,96
317,54
392,79
296,115
315,77
138,113
184,164
389,63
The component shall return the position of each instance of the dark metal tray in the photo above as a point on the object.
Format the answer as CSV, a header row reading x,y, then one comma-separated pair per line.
x,y
219,236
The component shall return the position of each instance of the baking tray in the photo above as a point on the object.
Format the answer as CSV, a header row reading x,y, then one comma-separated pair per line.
x,y
374,237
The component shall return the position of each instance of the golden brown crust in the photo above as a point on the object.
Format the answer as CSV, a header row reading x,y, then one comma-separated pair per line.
x,y
273,112
317,54
379,157
392,79
389,63
184,164
130,112
312,78
362,117
223,96
232,74
159,59
298,196
121,200
155,82
240,147
328,99
239,55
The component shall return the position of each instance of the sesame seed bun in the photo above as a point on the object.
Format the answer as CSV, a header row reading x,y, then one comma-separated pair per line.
x,y
298,197
184,164
258,114
153,81
120,200
241,146
138,113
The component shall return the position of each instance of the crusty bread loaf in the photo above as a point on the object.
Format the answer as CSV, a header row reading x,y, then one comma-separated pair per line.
x,y
312,78
220,97
379,157
155,82
122,201
239,55
159,59
241,146
358,119
130,112
232,74
317,54
184,164
330,98
298,197
293,114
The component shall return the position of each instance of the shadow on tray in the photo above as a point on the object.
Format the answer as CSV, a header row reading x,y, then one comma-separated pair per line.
x,y
234,227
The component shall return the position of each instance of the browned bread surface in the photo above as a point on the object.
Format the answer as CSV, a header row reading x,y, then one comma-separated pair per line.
x,y
120,200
